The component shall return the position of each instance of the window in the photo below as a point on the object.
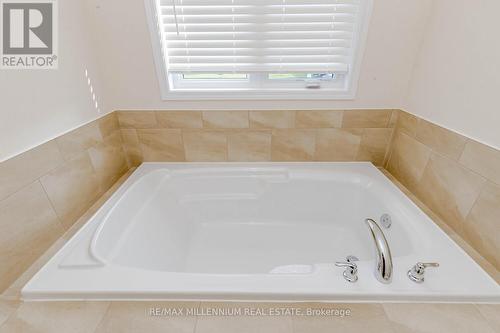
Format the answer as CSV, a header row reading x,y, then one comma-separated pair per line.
x,y
260,48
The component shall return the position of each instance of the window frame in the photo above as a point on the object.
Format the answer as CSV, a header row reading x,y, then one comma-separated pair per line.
x,y
271,93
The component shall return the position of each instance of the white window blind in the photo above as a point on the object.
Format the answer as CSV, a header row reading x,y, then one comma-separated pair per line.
x,y
267,36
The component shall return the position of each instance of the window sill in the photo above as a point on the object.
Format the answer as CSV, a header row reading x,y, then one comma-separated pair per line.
x,y
257,95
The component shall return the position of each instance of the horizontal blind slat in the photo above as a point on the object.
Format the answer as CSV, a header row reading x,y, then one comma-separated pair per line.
x,y
254,10
255,2
269,68
245,18
187,36
259,35
210,51
291,43
256,59
248,27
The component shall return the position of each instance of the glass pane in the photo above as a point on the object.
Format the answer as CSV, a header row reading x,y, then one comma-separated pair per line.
x,y
214,76
301,76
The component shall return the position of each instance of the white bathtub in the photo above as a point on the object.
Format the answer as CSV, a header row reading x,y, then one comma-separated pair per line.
x,y
267,231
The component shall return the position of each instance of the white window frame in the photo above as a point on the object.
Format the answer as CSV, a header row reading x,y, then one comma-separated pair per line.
x,y
278,90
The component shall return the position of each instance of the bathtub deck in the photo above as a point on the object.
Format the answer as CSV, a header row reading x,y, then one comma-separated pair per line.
x,y
98,317
122,268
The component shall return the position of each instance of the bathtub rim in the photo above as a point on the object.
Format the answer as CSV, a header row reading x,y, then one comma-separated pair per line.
x,y
144,167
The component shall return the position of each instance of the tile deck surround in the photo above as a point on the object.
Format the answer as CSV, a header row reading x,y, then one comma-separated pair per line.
x,y
455,180
456,177
130,316
46,189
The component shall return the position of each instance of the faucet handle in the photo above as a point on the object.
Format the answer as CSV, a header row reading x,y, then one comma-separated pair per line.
x,y
351,269
350,265
349,262
351,258
416,273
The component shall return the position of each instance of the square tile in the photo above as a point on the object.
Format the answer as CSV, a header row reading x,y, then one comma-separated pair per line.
x,y
366,118
318,119
132,147
109,163
72,188
408,160
482,227
161,145
394,118
114,139
416,318
6,309
225,119
109,124
244,321
361,318
492,314
13,265
407,123
374,145
205,146
272,119
293,145
440,139
25,168
249,146
137,119
136,317
482,159
79,140
179,119
27,221
449,189
50,317
337,144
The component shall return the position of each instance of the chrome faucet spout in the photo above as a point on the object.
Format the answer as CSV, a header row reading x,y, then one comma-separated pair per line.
x,y
383,257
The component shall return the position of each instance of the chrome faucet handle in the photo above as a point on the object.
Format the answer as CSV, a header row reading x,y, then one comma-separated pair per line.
x,y
351,269
416,273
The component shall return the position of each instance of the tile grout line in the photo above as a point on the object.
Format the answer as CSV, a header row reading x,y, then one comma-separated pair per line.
x,y
433,151
196,318
12,313
392,140
420,203
488,322
457,163
68,233
482,188
39,177
467,141
59,218
389,149
389,321
104,314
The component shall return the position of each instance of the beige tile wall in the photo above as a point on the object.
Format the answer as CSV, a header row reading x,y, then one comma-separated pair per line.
x,y
351,135
44,190
456,177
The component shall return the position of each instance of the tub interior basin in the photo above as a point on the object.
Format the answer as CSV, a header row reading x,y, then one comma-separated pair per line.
x,y
272,222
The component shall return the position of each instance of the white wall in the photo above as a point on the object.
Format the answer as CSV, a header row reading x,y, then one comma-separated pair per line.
x,y
394,36
456,80
38,105
454,83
